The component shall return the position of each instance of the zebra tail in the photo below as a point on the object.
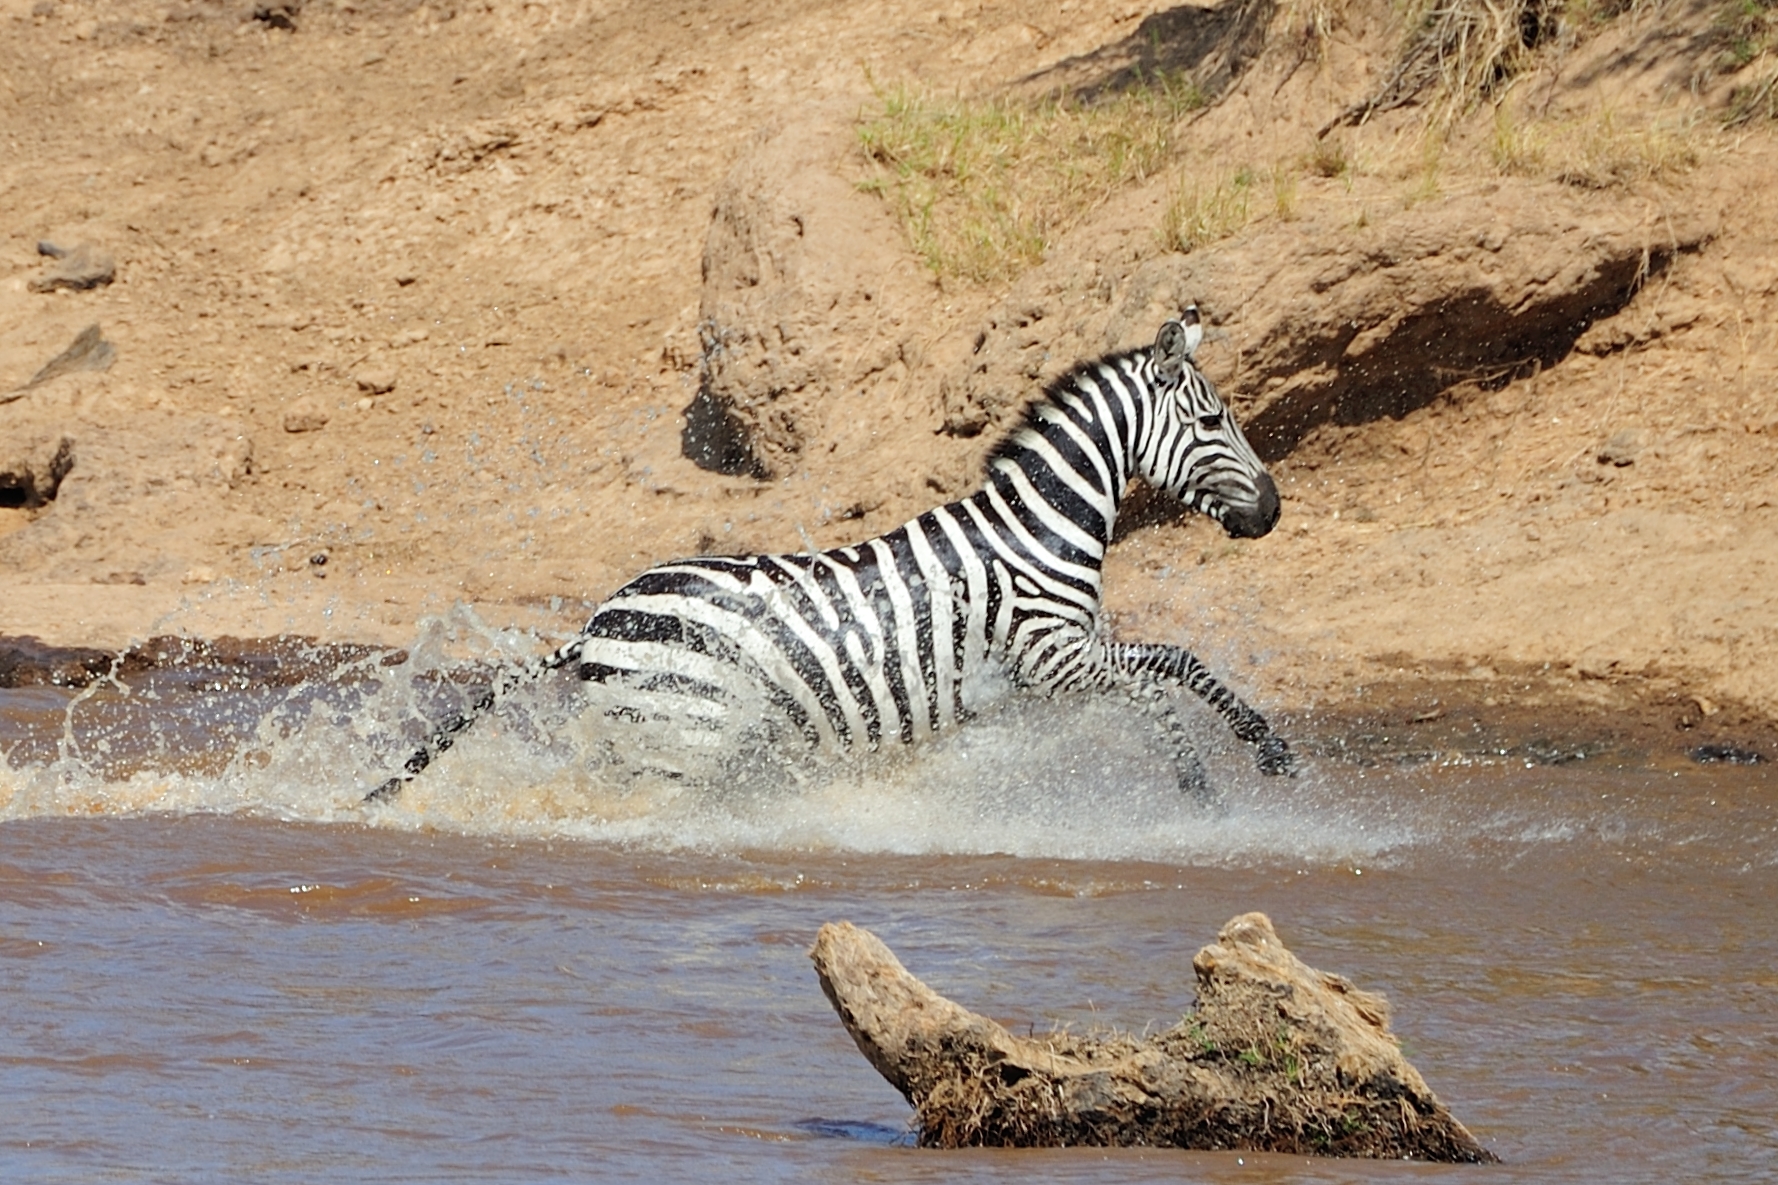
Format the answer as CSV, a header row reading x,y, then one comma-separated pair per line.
x,y
445,735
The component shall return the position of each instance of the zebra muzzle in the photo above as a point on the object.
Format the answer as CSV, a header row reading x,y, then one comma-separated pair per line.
x,y
1250,521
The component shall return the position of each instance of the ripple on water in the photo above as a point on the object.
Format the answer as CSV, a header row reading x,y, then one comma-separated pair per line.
x,y
535,967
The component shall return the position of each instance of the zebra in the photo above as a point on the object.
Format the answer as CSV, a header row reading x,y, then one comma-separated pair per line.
x,y
890,639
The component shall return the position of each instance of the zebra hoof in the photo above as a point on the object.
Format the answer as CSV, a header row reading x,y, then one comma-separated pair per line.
x,y
1207,799
1275,757
387,792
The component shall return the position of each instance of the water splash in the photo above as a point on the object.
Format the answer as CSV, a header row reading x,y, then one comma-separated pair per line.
x,y
1070,778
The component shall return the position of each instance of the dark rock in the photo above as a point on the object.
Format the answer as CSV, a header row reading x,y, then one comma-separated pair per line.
x,y
1725,755
31,662
279,15
89,351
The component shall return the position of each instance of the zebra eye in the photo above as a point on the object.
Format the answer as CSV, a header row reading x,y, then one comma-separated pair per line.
x,y
1211,422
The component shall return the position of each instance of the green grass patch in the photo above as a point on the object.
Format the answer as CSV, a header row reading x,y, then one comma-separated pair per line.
x,y
983,186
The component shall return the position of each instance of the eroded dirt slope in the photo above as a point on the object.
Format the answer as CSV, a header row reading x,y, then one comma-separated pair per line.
x,y
417,288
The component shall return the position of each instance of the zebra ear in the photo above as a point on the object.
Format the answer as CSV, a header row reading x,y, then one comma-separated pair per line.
x,y
1194,330
1177,342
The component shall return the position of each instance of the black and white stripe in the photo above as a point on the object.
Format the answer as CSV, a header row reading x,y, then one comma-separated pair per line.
x,y
896,638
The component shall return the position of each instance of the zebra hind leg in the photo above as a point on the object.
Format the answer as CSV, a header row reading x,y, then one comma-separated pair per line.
x,y
1271,754
445,735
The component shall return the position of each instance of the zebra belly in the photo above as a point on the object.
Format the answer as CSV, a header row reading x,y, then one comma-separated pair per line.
x,y
750,667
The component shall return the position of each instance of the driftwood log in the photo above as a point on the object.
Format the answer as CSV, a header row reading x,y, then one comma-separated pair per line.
x,y
1275,1057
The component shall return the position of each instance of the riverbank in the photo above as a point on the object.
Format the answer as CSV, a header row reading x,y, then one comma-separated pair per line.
x,y
407,302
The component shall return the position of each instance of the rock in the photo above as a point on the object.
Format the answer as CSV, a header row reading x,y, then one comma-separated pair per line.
x,y
1608,336
1338,322
1622,449
1674,312
305,415
278,15
81,267
30,662
809,300
375,380
31,471
1729,754
89,351
1274,1057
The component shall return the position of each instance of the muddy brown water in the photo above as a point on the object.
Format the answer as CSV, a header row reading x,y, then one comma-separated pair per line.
x,y
218,967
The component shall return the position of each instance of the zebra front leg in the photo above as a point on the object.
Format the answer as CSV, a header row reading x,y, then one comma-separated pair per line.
x,y
1188,767
1174,664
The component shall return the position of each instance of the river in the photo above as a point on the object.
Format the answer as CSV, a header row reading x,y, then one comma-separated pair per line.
x,y
218,966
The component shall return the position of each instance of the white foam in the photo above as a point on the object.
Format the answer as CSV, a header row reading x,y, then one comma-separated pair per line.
x,y
1066,778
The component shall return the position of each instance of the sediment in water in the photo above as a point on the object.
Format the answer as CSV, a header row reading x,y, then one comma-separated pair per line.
x,y
1274,1057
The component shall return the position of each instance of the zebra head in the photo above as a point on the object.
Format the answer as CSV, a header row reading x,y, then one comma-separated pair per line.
x,y
1193,449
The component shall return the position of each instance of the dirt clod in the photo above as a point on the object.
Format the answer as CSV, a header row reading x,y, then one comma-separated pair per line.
x,y
305,415
375,380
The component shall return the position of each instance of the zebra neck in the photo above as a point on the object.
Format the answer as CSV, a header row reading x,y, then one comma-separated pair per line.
x,y
1066,518
1058,479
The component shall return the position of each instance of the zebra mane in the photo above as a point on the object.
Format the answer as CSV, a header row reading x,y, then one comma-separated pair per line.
x,y
1051,397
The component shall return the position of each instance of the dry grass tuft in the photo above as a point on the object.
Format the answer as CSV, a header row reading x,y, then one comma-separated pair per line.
x,y
1600,152
1757,100
1331,157
1428,179
1463,52
1516,147
1284,192
1205,209
984,185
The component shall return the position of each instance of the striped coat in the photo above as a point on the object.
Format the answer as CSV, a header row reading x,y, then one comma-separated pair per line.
x,y
900,637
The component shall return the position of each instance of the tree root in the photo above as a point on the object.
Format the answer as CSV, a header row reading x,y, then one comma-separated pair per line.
x,y
1275,1057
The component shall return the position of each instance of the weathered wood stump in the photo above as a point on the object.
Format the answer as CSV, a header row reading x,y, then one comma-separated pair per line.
x,y
1275,1057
